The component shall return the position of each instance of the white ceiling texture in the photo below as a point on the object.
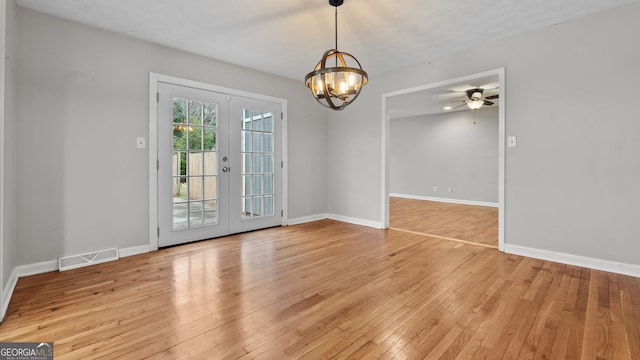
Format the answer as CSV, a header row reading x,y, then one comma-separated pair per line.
x,y
288,37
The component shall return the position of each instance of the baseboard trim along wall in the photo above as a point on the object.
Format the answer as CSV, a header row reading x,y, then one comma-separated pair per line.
x,y
8,292
306,219
445,200
569,259
356,221
134,250
45,267
350,220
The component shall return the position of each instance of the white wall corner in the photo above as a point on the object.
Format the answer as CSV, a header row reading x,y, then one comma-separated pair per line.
x,y
569,259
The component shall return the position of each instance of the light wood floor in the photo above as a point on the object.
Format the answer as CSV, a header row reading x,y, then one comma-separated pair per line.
x,y
476,224
329,290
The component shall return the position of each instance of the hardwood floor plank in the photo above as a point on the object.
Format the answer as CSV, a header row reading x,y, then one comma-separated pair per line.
x,y
467,223
328,290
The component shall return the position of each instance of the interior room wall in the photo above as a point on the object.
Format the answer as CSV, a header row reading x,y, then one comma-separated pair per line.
x,y
571,184
8,151
457,151
83,100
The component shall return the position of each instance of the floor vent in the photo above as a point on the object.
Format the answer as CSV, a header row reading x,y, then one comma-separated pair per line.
x,y
77,261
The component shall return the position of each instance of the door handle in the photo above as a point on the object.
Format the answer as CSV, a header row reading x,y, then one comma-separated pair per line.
x,y
225,169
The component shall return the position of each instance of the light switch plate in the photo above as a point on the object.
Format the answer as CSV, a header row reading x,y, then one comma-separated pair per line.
x,y
140,143
512,141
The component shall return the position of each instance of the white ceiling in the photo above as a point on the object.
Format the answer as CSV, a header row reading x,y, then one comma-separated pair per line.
x,y
288,37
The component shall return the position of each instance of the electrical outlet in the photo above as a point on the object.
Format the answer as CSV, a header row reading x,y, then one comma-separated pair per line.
x,y
450,190
435,189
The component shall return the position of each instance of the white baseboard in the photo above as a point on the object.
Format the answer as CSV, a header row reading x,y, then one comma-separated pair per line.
x,y
134,250
347,219
577,260
356,221
37,268
7,293
445,200
306,219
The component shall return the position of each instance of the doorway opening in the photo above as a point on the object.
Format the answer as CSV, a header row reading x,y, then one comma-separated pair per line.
x,y
451,184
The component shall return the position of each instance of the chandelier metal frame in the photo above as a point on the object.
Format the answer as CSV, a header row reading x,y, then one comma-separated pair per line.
x,y
336,86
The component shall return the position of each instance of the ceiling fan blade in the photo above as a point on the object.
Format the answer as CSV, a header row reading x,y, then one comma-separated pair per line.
x,y
488,103
491,97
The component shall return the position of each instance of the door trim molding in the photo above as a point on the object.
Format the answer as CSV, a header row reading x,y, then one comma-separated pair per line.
x,y
154,80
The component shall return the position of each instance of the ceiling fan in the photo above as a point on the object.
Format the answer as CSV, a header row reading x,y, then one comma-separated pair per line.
x,y
476,99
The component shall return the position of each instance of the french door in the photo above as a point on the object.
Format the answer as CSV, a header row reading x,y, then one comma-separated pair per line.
x,y
219,164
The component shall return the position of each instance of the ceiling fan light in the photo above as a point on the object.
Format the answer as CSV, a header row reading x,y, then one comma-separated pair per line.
x,y
475,104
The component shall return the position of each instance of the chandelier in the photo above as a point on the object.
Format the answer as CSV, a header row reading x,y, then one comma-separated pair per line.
x,y
338,78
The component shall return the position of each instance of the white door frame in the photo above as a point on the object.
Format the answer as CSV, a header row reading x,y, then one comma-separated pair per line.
x,y
154,80
500,72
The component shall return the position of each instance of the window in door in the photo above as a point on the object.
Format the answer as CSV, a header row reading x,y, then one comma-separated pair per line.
x,y
257,164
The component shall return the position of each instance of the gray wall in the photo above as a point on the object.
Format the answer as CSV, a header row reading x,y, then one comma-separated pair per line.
x,y
83,100
447,151
8,146
572,182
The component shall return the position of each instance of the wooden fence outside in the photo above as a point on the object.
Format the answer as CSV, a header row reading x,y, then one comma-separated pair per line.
x,y
199,164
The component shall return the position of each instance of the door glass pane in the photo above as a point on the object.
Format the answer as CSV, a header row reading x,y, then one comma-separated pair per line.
x,y
211,212
267,123
267,143
247,207
257,163
195,213
257,206
247,185
246,141
268,206
195,112
267,160
210,163
257,120
211,114
195,188
209,142
179,111
194,169
179,137
257,185
247,160
194,137
267,184
211,187
180,214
